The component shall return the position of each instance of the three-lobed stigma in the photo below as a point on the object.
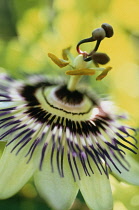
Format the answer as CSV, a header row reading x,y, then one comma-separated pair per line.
x,y
86,63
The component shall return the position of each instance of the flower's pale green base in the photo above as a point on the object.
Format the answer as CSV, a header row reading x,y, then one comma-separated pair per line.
x,y
14,173
58,192
96,190
131,176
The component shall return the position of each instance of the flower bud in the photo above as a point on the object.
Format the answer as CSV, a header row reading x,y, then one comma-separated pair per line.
x,y
108,29
98,34
100,58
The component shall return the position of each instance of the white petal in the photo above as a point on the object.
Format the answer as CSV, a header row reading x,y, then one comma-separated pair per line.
x,y
14,172
58,192
131,176
96,191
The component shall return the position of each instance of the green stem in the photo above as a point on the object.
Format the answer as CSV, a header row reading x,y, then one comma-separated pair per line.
x,y
73,82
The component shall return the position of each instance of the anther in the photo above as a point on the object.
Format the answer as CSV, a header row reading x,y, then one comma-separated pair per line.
x,y
100,58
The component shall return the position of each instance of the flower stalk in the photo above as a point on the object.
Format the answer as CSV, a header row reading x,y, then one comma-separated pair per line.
x,y
73,81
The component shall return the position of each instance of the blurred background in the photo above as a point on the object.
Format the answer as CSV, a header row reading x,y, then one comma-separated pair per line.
x,y
30,29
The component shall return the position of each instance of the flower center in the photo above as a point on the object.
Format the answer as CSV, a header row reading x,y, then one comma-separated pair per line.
x,y
64,102
69,97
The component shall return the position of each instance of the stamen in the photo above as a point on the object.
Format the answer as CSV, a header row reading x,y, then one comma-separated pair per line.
x,y
60,62
100,58
81,72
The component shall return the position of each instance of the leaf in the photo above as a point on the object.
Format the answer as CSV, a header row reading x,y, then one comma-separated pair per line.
x,y
104,73
60,62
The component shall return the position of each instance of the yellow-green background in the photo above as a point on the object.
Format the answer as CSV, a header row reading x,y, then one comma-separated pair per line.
x,y
30,29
